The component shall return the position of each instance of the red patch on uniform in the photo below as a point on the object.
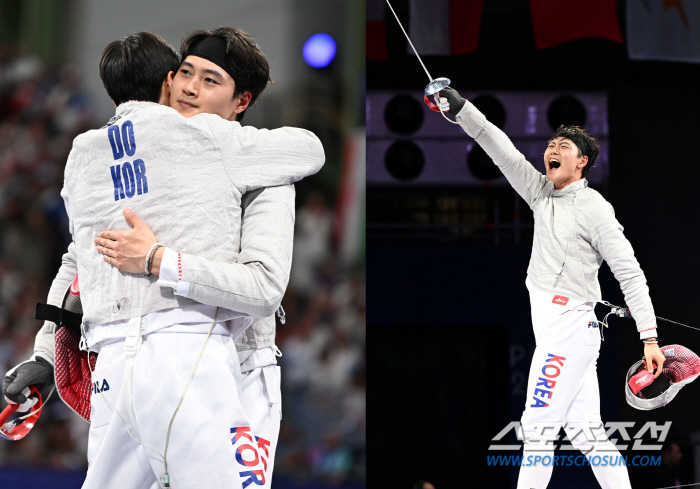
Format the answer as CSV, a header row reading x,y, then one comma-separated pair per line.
x,y
560,299
74,288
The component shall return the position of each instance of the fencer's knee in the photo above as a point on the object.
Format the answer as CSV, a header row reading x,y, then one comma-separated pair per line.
x,y
583,445
586,436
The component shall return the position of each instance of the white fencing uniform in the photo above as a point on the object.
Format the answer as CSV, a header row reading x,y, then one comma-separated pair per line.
x,y
266,243
575,230
186,181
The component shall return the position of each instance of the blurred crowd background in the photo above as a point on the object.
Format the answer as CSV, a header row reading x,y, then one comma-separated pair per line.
x,y
44,104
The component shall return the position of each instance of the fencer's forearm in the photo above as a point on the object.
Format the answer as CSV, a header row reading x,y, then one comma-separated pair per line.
x,y
607,237
44,341
524,178
257,158
256,283
246,288
289,155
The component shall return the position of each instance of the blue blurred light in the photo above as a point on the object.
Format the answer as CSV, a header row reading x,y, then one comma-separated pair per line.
x,y
319,50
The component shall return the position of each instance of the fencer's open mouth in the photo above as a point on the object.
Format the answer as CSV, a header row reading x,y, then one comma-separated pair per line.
x,y
554,164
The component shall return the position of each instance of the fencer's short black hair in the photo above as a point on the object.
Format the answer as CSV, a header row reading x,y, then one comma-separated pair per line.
x,y
586,144
135,67
245,62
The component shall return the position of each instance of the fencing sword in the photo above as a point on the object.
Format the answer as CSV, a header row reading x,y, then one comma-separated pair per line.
x,y
433,88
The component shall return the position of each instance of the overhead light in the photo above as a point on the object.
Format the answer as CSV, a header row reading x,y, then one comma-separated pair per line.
x,y
319,50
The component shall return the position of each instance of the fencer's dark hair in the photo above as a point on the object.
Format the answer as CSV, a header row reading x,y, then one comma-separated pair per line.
x,y
245,62
586,144
134,68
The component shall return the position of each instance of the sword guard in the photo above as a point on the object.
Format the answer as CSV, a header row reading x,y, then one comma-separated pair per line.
x,y
433,88
6,413
13,431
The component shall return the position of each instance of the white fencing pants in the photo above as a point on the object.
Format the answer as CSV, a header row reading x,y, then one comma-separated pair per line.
x,y
211,444
563,387
260,395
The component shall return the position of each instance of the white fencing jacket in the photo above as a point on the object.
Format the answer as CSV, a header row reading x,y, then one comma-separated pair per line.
x,y
184,177
267,236
574,226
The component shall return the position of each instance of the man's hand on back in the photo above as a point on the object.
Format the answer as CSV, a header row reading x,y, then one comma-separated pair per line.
x,y
127,250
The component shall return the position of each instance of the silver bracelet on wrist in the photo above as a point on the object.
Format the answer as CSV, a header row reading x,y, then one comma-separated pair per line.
x,y
148,262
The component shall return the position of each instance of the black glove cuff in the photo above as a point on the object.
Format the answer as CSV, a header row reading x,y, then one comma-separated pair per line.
x,y
457,108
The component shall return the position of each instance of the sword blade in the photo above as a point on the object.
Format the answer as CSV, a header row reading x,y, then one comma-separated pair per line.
x,y
409,40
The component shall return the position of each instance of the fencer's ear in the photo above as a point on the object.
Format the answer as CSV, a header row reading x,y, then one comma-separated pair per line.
x,y
243,102
164,98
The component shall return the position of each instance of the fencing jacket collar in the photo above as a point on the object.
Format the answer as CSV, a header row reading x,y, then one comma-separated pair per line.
x,y
571,188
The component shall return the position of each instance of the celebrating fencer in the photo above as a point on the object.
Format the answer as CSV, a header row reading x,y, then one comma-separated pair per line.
x,y
575,230
165,313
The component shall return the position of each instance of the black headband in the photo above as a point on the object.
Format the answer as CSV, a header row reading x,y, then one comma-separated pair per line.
x,y
574,135
213,49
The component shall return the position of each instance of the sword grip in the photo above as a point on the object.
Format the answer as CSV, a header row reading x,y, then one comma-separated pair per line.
x,y
7,412
622,312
